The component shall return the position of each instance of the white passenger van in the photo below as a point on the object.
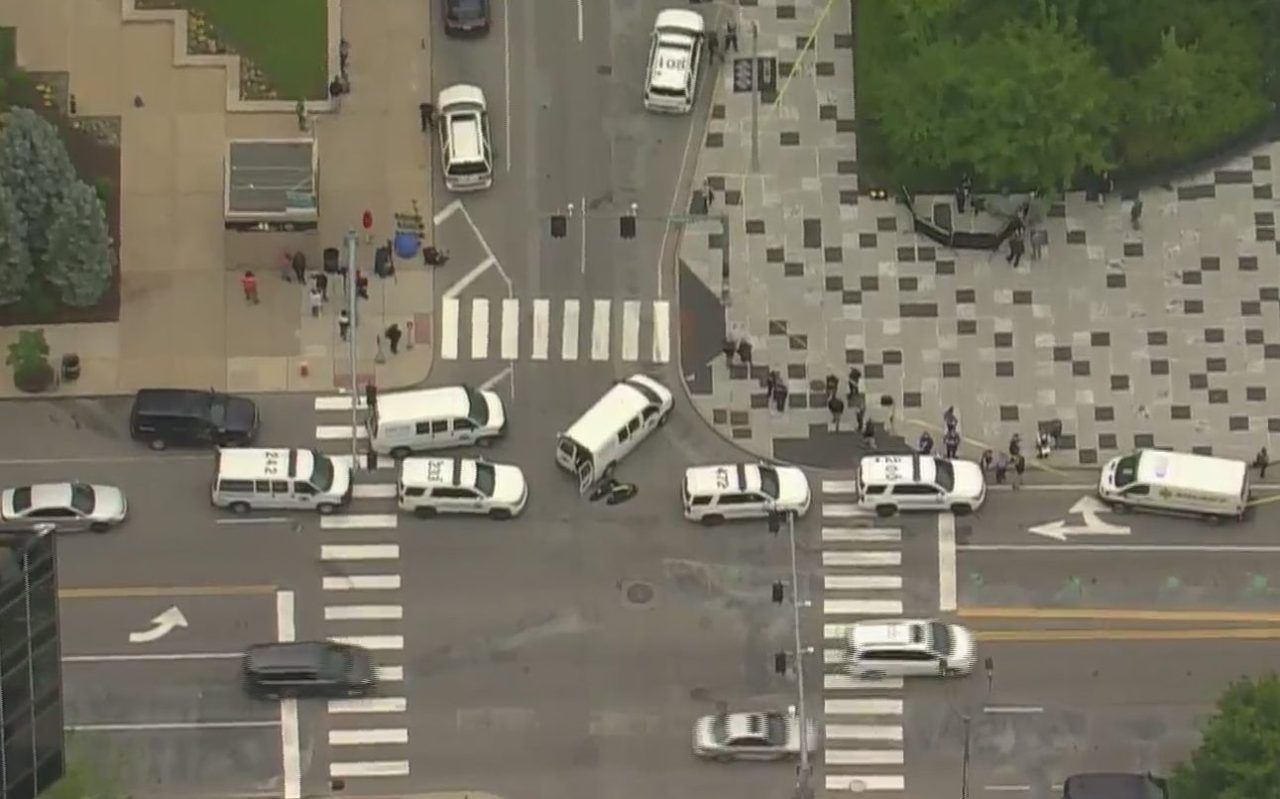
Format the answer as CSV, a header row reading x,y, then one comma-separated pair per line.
x,y
611,428
463,127
403,422
280,479
1177,482
675,54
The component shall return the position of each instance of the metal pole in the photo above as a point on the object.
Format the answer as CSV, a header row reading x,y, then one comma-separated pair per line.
x,y
802,781
350,243
755,97
964,763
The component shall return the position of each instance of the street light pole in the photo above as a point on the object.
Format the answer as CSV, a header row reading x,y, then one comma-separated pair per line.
x,y
350,243
964,762
755,96
802,779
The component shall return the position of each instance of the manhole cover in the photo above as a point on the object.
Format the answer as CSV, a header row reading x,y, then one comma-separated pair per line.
x,y
639,593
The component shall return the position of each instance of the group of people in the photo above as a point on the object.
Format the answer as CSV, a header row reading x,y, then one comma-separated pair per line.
x,y
950,438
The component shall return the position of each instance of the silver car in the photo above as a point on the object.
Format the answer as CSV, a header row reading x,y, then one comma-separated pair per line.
x,y
750,736
78,505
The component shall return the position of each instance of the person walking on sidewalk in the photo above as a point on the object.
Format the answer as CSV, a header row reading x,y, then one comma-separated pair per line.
x,y
301,110
1261,462
393,337
344,323
744,353
713,46
859,404
1002,468
836,406
1016,248
985,462
427,116
951,442
1135,213
770,385
317,300
298,262
1015,445
362,286
322,285
925,445
833,385
949,419
780,397
731,37
1019,466
855,377
249,282
729,347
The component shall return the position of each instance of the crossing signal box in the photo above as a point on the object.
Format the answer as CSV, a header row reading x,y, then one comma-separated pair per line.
x,y
627,227
559,226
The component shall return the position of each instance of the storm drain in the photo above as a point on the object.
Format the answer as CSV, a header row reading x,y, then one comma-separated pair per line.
x,y
638,594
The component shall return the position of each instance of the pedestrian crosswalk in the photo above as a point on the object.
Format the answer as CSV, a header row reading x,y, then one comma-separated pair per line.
x,y
360,556
861,566
510,329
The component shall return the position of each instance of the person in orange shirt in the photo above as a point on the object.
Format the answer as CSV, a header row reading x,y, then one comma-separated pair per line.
x,y
249,282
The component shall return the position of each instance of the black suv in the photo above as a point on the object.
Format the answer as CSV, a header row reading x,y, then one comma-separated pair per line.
x,y
307,668
465,17
185,417
1114,785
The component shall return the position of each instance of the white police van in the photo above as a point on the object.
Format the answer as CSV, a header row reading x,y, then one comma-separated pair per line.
x,y
675,55
280,479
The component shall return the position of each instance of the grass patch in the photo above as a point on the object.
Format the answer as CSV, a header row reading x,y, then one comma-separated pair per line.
x,y
286,39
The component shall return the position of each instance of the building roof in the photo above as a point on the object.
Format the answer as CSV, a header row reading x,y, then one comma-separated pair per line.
x,y
271,180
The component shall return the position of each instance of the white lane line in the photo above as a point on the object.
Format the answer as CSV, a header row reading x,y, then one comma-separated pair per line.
x,y
846,682
449,329
177,725
169,656
1029,709
358,521
541,329
470,277
373,490
861,558
387,735
1007,788
862,535
446,212
479,329
508,156
389,673
946,562
339,432
379,643
863,757
583,206
290,738
862,607
362,582
865,782
839,486
510,329
845,511
631,330
255,520
363,612
661,331
870,707
569,331
863,732
360,464
370,768
600,310
1225,548
369,704
340,402
359,551
862,582
579,20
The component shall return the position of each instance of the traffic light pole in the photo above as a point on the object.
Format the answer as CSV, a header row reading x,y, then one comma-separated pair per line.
x,y
352,294
755,98
802,777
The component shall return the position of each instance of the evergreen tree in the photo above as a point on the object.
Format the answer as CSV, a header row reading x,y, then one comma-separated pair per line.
x,y
35,168
79,259
15,259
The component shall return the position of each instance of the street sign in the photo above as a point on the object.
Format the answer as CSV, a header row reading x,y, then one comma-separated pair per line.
x,y
743,76
767,74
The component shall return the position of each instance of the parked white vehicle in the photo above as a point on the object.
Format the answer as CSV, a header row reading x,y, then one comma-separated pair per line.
x,y
403,422
466,153
713,494
428,486
675,55
908,648
627,413
78,505
280,479
1177,482
891,483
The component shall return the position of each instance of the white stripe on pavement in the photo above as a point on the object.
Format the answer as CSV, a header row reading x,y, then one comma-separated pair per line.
x,y
374,642
841,510
389,673
479,329
341,402
661,331
569,331
449,329
373,491
339,432
362,582
600,330
388,735
359,551
541,329
863,732
370,768
839,486
359,464
846,682
862,535
862,607
631,330
865,782
862,582
362,612
510,329
869,707
369,704
861,558
863,757
358,521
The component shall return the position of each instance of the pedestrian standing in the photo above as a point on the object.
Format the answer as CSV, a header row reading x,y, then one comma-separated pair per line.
x,y
744,353
1039,240
322,284
344,323
951,441
299,264
962,194
859,409
713,46
833,385
344,54
949,419
1261,461
925,445
1135,213
317,300
731,37
426,116
362,286
1015,445
836,406
770,384
1019,466
249,282
393,337
336,87
1002,468
301,110
1016,248
1105,186
855,377
780,397
728,348
887,402
985,462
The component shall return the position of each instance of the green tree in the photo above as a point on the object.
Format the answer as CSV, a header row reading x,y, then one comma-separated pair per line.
x,y
1237,755
15,259
36,170
79,258
924,22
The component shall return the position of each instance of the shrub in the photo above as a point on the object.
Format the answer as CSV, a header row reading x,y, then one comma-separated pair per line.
x,y
29,357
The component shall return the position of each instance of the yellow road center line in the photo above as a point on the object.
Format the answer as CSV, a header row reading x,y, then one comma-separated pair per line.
x,y
165,590
1047,636
1114,614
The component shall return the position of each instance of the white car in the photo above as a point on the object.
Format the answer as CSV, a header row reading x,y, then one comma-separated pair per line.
x,y
712,494
428,486
675,54
890,483
908,648
78,504
750,736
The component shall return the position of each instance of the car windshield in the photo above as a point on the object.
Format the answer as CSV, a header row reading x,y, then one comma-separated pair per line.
x,y
466,9
82,497
485,478
941,638
21,499
468,168
1127,470
769,481
338,662
946,474
776,728
479,411
321,471
664,92
218,409
720,728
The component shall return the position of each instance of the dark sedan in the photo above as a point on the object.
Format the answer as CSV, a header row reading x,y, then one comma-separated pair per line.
x,y
465,17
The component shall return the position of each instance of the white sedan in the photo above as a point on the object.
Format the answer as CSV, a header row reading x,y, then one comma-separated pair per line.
x,y
750,736
76,504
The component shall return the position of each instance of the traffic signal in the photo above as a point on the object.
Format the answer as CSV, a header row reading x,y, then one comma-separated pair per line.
x,y
780,663
778,592
627,227
559,226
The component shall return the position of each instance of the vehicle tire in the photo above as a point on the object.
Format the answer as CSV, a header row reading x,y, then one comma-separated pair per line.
x,y
500,514
99,527
959,509
240,508
400,453
664,418
424,511
326,508
712,519
157,444
885,511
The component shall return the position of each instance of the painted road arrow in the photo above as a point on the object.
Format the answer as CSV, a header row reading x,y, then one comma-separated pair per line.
x,y
161,626
1088,508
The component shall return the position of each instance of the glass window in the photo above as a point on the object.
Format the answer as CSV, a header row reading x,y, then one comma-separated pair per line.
x,y
13,631
82,498
453,493
648,413
623,435
738,499
51,513
485,478
321,472
633,426
236,486
915,490
280,486
414,492
1127,470
946,474
479,411
422,428
769,481
463,424
777,729
873,490
941,635
21,499
1141,490
699,501
439,427
262,486
306,489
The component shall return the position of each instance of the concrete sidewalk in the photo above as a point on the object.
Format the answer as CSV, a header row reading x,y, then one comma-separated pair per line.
x,y
183,319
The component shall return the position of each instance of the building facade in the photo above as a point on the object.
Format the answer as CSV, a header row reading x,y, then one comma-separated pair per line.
x,y
31,741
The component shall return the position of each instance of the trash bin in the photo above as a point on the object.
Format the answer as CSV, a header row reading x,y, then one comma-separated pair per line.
x,y
70,367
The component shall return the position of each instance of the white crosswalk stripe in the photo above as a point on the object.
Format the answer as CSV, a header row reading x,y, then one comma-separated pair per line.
x,y
555,330
861,579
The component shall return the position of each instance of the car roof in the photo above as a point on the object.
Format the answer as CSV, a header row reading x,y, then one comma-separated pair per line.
x,y
438,471
893,469
1108,785
290,655
624,400
184,401
885,632
448,402
50,495
253,463
1191,472
460,94
728,477
741,725
680,19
